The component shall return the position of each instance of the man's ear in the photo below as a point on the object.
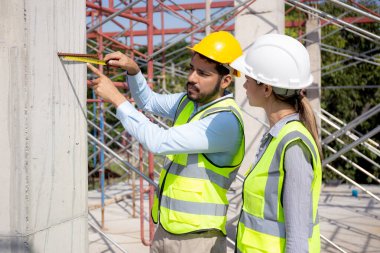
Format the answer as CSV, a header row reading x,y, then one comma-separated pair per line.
x,y
226,81
267,90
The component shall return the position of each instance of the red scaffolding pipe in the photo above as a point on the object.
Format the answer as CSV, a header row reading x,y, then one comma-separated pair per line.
x,y
167,31
150,82
120,44
365,8
112,11
288,24
192,6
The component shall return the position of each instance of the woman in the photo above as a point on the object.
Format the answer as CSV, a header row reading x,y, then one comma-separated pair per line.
x,y
281,191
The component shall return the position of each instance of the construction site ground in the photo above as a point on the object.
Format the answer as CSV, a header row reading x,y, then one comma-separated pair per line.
x,y
351,222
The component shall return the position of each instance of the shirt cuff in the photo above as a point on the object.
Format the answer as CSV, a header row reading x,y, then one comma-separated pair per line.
x,y
139,77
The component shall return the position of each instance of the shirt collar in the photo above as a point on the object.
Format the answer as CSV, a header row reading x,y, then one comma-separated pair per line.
x,y
275,130
226,95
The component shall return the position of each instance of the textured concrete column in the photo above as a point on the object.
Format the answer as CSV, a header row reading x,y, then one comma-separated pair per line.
x,y
314,49
43,130
262,17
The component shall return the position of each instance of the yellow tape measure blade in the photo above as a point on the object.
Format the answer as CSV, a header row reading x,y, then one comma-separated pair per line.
x,y
83,59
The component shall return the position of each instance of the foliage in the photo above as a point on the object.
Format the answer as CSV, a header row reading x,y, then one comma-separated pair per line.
x,y
348,103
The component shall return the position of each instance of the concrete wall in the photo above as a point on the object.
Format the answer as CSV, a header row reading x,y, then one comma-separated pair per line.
x,y
43,197
313,47
262,17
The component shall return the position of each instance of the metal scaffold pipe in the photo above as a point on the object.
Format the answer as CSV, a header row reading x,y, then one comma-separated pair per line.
x,y
372,142
130,166
113,15
352,124
351,8
354,150
319,13
352,182
350,146
199,28
107,237
333,244
354,164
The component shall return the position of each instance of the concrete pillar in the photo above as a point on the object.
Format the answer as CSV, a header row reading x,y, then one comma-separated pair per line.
x,y
208,16
262,17
43,141
313,47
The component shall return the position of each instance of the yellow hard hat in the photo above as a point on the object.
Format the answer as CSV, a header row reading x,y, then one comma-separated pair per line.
x,y
219,46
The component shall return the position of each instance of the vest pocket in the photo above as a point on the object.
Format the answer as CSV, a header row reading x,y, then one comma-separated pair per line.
x,y
183,212
256,242
254,204
179,217
190,192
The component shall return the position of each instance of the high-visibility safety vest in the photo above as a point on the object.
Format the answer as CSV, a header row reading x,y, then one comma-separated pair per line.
x,y
191,196
261,226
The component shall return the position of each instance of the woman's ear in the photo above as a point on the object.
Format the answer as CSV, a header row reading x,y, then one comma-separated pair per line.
x,y
226,81
267,90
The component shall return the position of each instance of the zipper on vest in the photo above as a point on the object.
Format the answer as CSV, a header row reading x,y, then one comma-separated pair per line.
x,y
242,198
161,190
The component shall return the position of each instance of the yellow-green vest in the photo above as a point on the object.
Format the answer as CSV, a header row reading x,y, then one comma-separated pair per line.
x,y
191,196
261,226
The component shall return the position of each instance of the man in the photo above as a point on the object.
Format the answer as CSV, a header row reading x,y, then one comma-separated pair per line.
x,y
204,148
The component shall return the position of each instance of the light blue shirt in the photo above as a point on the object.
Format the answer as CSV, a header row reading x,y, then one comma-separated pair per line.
x,y
218,135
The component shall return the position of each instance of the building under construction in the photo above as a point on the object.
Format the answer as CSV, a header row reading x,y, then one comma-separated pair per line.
x,y
75,181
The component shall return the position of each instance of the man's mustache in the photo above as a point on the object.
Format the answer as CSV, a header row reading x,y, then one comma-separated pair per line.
x,y
193,86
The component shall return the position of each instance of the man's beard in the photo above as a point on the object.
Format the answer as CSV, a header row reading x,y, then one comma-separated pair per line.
x,y
204,98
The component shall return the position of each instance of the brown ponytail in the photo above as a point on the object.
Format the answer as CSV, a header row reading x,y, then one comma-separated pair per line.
x,y
307,117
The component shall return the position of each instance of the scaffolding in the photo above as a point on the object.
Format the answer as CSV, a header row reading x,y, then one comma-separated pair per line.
x,y
156,27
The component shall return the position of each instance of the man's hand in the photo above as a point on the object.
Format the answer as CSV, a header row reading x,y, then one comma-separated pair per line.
x,y
104,88
117,59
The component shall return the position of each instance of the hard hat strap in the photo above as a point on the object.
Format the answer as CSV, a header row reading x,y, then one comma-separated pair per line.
x,y
232,71
286,92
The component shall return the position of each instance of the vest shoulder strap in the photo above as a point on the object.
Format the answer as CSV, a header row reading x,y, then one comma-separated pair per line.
x,y
182,104
225,105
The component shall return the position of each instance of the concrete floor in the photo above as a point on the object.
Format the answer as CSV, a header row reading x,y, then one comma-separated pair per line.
x,y
350,222
353,223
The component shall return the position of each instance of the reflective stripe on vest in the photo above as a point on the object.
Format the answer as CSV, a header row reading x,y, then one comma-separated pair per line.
x,y
193,189
270,211
194,207
269,227
261,221
195,171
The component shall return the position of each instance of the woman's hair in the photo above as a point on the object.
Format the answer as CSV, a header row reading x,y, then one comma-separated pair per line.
x,y
307,117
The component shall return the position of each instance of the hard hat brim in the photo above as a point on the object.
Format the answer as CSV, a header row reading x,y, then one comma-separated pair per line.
x,y
240,65
235,72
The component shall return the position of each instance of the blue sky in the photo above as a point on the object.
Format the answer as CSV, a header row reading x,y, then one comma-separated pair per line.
x,y
170,20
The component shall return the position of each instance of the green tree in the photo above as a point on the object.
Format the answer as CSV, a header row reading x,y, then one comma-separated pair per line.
x,y
348,103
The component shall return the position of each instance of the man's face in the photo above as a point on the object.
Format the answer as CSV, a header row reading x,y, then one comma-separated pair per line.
x,y
203,81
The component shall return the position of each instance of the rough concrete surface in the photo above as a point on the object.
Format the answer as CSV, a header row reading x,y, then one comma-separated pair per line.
x,y
43,130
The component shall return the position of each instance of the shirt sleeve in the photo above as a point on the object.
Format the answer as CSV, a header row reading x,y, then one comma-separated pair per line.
x,y
164,105
297,198
216,133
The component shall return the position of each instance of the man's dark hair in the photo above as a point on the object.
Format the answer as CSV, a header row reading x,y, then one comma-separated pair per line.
x,y
219,67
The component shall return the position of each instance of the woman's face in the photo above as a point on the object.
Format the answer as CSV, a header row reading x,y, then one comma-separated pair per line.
x,y
255,92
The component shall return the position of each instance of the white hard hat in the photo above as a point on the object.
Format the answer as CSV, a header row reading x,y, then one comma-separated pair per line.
x,y
277,60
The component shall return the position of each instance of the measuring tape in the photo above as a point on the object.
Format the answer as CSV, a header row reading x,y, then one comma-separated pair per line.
x,y
90,58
